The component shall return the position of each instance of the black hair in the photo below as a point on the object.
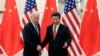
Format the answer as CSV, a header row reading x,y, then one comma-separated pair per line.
x,y
56,14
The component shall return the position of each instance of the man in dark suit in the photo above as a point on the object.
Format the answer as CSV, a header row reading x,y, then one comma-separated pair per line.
x,y
58,37
31,36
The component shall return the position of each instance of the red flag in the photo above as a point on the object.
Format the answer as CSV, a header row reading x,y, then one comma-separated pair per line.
x,y
50,7
0,40
0,33
96,46
88,33
10,29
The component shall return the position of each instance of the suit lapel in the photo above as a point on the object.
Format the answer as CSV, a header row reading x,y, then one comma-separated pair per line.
x,y
58,32
51,32
33,28
39,28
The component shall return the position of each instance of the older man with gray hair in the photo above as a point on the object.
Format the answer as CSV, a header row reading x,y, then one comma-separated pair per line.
x,y
31,36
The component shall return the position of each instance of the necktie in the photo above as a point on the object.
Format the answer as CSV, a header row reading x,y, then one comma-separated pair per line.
x,y
54,32
36,27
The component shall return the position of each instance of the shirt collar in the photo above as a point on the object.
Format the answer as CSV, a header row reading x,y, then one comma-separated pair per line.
x,y
57,26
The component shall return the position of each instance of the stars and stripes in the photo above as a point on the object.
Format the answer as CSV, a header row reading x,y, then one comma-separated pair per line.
x,y
70,18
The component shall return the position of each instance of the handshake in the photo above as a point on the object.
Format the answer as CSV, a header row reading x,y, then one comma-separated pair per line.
x,y
39,48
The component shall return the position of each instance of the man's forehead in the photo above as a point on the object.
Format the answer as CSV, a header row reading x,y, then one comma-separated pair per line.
x,y
35,13
55,16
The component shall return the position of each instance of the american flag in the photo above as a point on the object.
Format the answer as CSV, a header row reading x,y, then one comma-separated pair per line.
x,y
30,6
70,18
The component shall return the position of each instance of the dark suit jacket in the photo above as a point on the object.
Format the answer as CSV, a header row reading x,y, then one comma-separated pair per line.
x,y
55,46
31,40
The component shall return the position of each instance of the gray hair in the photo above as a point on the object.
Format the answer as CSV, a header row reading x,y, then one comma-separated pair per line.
x,y
35,13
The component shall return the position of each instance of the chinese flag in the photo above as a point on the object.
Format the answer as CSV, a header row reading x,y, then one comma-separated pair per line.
x,y
10,29
0,33
50,7
0,40
89,28
96,46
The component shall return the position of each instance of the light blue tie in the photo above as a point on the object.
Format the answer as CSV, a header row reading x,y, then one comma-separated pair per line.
x,y
36,27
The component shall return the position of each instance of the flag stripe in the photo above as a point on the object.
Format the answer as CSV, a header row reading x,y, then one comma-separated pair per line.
x,y
76,20
74,45
24,18
74,37
28,18
76,26
70,51
73,50
77,45
73,21
77,16
72,24
73,33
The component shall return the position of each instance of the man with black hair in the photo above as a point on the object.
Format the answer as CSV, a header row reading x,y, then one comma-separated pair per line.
x,y
58,37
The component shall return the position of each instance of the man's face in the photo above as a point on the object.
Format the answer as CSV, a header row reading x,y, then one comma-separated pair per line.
x,y
35,19
55,20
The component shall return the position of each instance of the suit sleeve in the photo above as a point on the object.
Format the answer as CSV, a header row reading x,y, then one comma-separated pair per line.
x,y
46,40
68,36
26,37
